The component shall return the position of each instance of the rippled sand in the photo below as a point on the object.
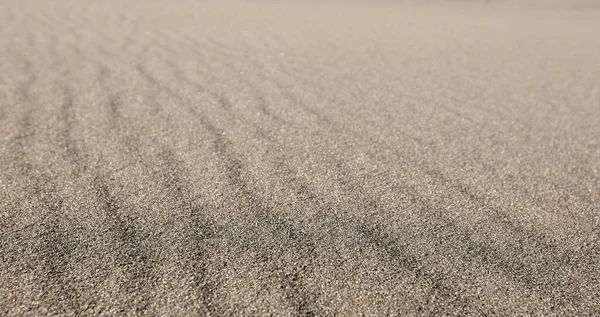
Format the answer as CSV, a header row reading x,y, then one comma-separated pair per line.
x,y
299,158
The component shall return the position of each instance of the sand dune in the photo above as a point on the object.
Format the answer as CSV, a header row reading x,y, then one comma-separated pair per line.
x,y
290,158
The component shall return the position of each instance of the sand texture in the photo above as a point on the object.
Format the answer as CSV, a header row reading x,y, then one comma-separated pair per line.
x,y
299,158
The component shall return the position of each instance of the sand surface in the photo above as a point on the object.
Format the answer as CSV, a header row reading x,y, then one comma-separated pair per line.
x,y
299,158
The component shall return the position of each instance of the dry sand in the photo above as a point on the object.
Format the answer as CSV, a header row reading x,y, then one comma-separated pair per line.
x,y
301,158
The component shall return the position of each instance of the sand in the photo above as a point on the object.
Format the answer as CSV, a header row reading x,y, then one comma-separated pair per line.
x,y
299,158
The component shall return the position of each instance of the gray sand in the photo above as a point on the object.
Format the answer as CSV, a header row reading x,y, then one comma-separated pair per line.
x,y
301,158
